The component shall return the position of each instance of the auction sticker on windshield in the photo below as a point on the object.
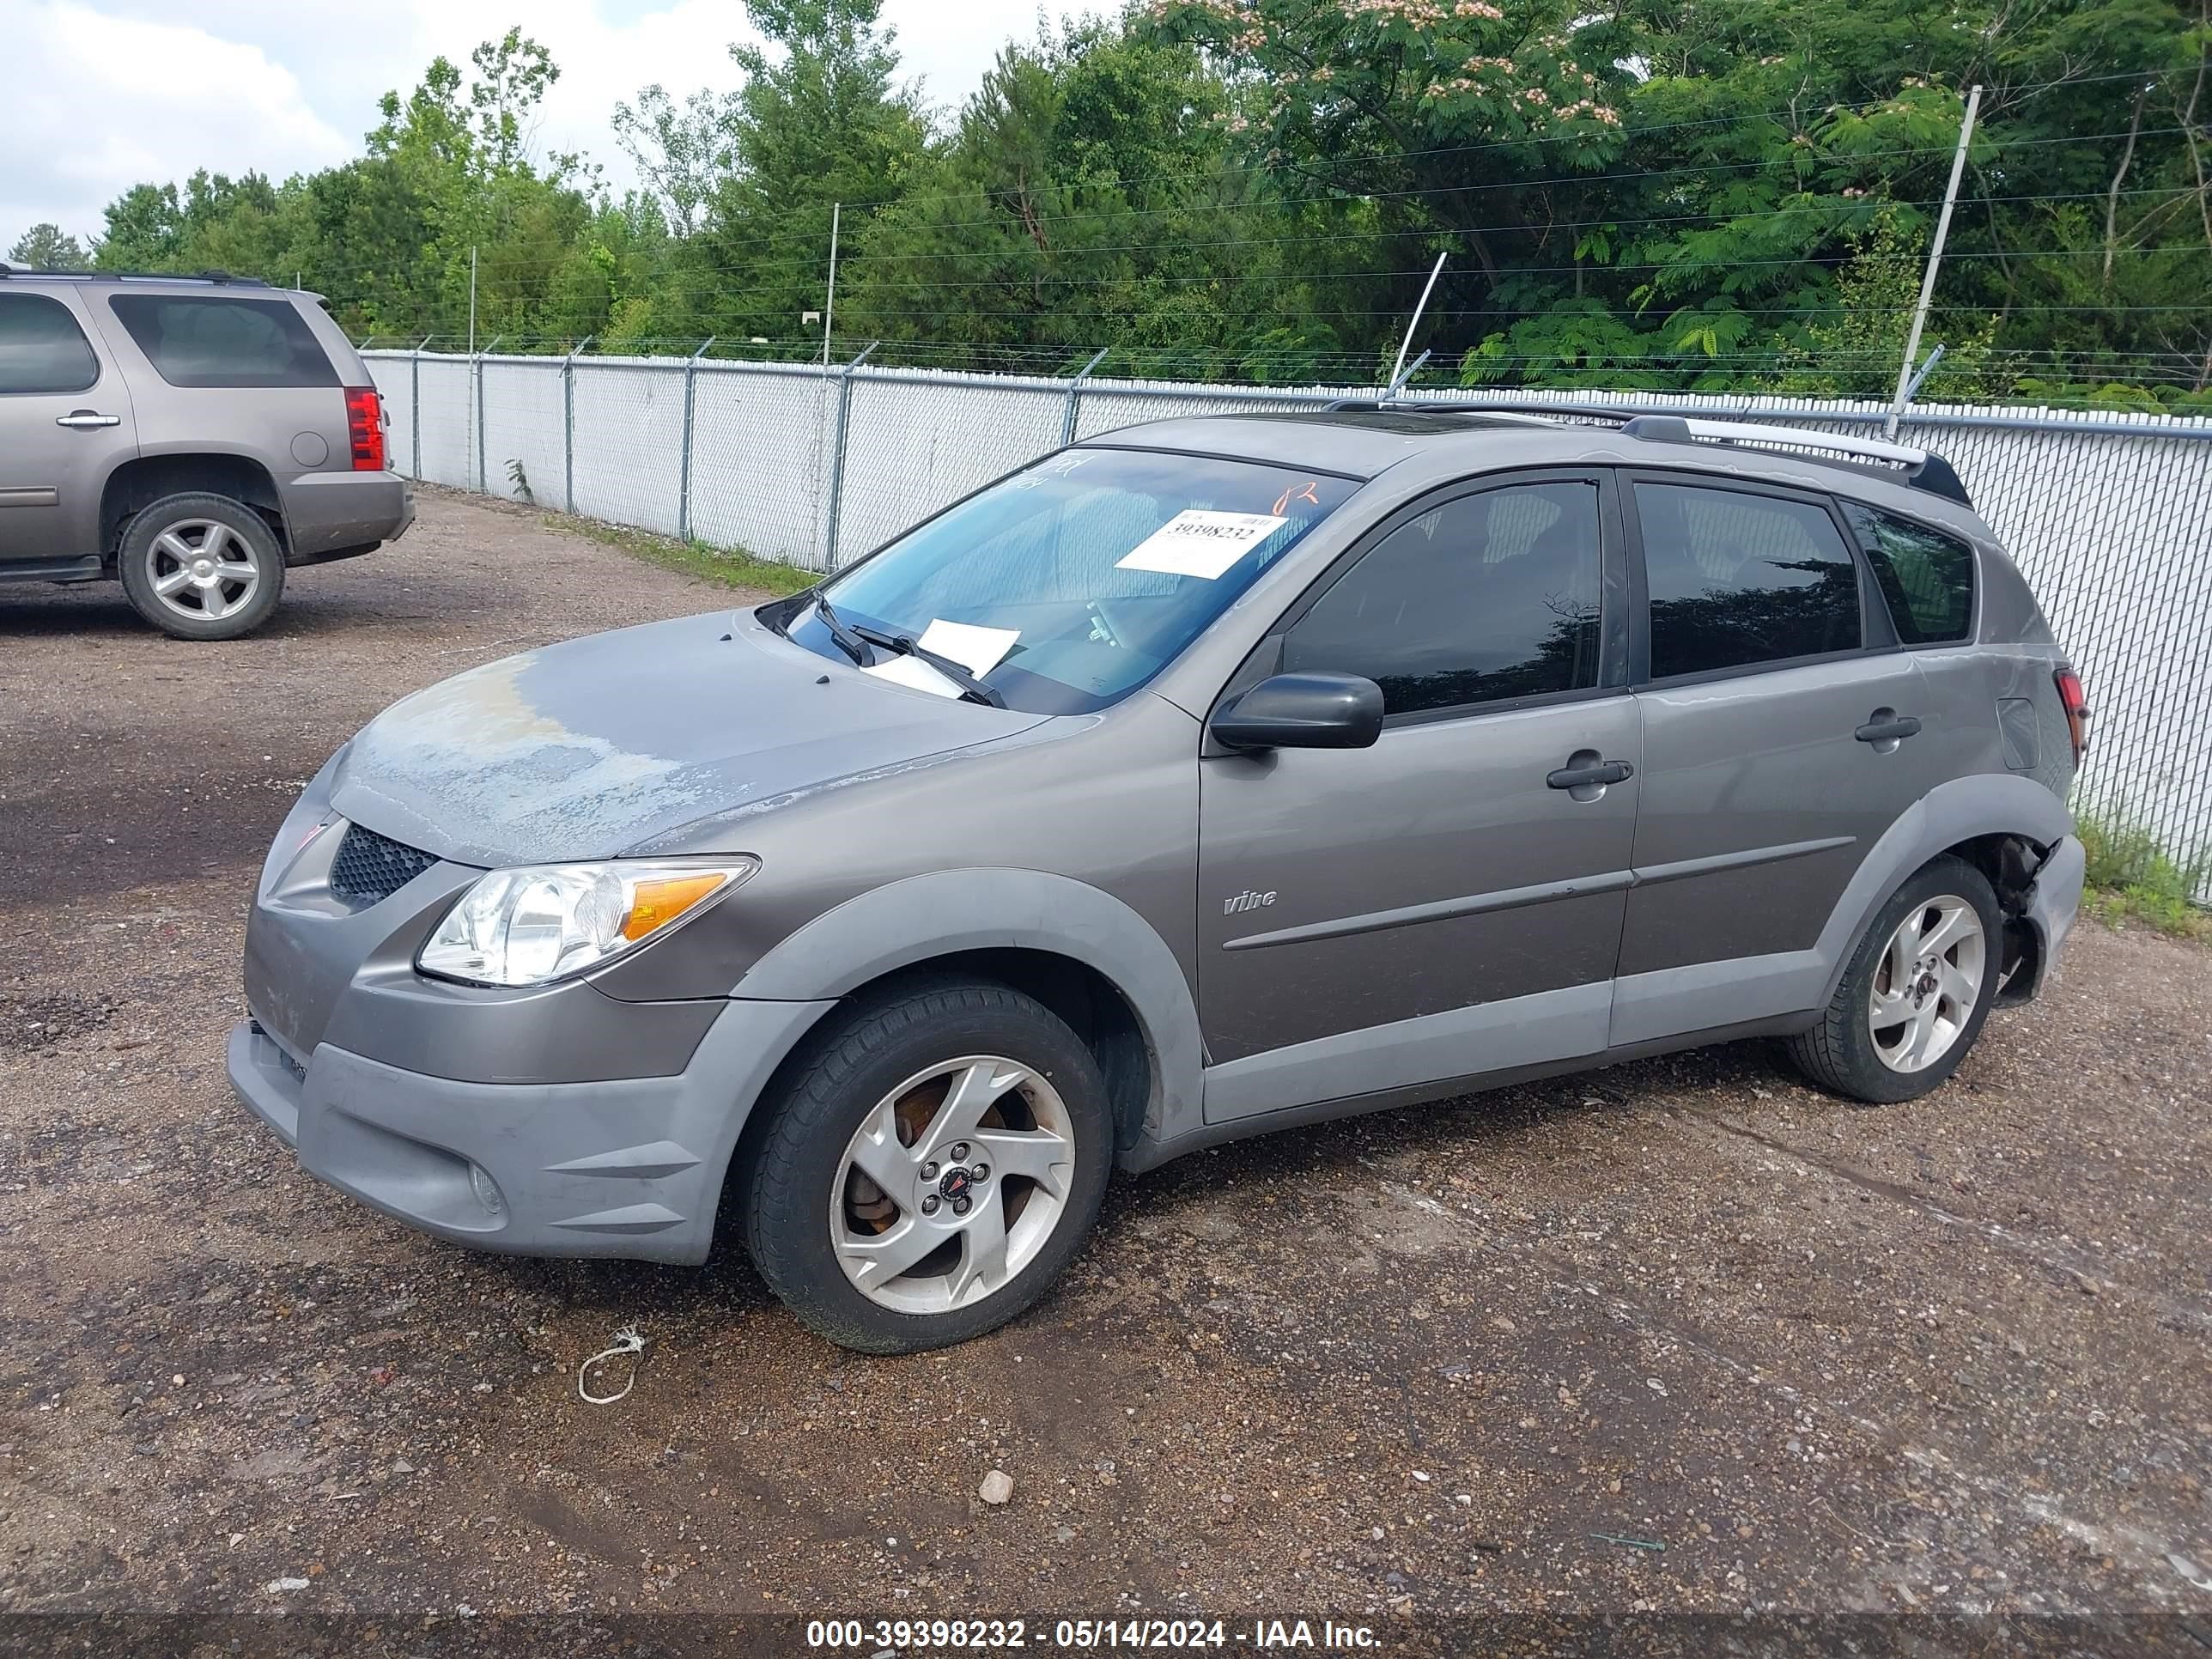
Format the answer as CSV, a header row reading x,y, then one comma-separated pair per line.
x,y
1201,542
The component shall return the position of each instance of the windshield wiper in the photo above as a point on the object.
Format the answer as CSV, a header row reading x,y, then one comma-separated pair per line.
x,y
907,646
848,641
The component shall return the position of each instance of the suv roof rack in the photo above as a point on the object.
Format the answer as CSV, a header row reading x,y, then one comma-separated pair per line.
x,y
1922,469
220,278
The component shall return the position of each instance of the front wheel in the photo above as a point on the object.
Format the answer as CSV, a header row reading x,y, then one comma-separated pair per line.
x,y
1914,996
931,1167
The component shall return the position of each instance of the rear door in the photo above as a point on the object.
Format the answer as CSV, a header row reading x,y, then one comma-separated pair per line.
x,y
65,422
1783,732
1448,901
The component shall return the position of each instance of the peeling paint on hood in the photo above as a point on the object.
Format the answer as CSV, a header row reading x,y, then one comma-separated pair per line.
x,y
587,749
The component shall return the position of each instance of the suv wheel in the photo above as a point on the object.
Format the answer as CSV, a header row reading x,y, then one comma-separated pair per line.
x,y
930,1166
1916,991
202,567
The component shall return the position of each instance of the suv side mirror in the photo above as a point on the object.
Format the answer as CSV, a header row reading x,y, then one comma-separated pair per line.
x,y
1303,711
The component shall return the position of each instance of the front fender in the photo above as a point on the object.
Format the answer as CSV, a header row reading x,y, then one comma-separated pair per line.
x,y
924,917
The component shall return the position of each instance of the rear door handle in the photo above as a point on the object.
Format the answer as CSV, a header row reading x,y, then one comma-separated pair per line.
x,y
1578,777
1887,727
84,420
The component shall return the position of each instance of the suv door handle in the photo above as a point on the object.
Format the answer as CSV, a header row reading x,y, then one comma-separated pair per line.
x,y
1578,777
1887,727
85,420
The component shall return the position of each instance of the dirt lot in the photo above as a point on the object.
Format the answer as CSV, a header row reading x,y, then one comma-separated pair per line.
x,y
1681,1336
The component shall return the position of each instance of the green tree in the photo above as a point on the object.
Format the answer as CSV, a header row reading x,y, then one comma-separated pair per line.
x,y
821,119
682,151
45,246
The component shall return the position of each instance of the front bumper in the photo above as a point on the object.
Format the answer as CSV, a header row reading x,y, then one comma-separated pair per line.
x,y
554,1121
629,1167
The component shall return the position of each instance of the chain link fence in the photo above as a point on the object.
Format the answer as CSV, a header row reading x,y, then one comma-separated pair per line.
x,y
2110,515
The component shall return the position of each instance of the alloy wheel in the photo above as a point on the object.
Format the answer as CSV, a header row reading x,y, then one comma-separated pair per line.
x,y
203,570
1927,984
952,1184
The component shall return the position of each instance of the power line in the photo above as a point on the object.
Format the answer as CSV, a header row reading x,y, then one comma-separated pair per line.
x,y
1624,133
813,259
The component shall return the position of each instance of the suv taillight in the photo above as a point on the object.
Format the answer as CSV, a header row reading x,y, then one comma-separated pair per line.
x,y
2077,711
364,427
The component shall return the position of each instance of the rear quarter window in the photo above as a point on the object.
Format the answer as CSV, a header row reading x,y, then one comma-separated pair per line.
x,y
41,347
1926,576
221,341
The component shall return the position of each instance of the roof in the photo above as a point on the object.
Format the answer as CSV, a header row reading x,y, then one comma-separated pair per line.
x,y
12,272
1364,440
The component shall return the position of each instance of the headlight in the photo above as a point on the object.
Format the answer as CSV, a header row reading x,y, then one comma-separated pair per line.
x,y
540,923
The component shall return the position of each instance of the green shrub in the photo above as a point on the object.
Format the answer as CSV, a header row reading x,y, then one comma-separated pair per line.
x,y
2130,875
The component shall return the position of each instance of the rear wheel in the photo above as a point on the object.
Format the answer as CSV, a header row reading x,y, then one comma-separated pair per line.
x,y
1912,1000
202,567
931,1167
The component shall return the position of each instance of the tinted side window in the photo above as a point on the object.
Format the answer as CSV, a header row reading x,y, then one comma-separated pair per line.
x,y
41,347
1927,577
223,342
1487,597
1737,579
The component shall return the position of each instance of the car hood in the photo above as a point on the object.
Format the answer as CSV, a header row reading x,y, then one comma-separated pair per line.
x,y
606,744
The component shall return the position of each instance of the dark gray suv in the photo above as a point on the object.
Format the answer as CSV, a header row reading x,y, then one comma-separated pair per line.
x,y
190,436
1208,778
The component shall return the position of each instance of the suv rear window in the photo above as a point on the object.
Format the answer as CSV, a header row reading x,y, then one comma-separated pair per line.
x,y
1737,579
1927,576
41,347
199,342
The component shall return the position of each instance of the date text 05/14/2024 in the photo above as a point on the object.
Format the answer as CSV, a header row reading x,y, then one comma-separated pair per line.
x,y
1084,1635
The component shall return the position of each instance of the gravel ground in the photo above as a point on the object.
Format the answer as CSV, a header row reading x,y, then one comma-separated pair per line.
x,y
1682,1336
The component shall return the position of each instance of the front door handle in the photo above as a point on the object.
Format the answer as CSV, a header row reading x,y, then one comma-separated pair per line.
x,y
1595,774
85,420
1887,727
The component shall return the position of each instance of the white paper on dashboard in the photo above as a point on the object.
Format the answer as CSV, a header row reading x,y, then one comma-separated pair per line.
x,y
978,650
1201,542
914,672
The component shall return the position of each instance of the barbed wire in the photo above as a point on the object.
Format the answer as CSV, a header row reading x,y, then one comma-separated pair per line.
x,y
815,238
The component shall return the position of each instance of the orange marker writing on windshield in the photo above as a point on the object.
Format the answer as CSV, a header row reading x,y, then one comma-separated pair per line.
x,y
1303,492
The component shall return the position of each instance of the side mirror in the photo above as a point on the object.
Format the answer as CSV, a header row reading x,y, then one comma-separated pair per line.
x,y
1303,711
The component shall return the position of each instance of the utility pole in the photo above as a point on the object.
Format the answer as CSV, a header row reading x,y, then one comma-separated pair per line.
x,y
830,305
1904,379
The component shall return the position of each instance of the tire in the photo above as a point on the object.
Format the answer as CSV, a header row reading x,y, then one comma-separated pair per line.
x,y
1875,1051
217,598
867,1092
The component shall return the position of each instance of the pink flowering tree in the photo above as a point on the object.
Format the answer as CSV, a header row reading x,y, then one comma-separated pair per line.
x,y
1455,117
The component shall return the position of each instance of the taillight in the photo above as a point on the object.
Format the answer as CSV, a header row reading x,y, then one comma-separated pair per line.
x,y
2077,711
364,427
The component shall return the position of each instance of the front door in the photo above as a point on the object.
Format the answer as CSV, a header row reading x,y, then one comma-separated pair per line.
x,y
1449,901
1781,738
65,422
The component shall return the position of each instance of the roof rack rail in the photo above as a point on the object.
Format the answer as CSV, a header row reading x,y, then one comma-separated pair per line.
x,y
219,278
1922,469
1477,406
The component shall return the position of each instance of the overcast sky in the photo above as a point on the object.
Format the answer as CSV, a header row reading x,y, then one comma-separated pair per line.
x,y
100,95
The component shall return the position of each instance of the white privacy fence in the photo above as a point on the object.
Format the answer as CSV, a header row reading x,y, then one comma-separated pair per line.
x,y
2109,515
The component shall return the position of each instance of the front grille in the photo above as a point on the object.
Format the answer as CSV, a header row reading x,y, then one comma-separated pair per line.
x,y
370,868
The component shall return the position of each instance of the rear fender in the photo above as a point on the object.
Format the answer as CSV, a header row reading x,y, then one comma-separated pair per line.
x,y
1986,803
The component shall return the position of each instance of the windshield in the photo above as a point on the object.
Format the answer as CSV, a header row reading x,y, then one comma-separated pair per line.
x,y
1068,586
